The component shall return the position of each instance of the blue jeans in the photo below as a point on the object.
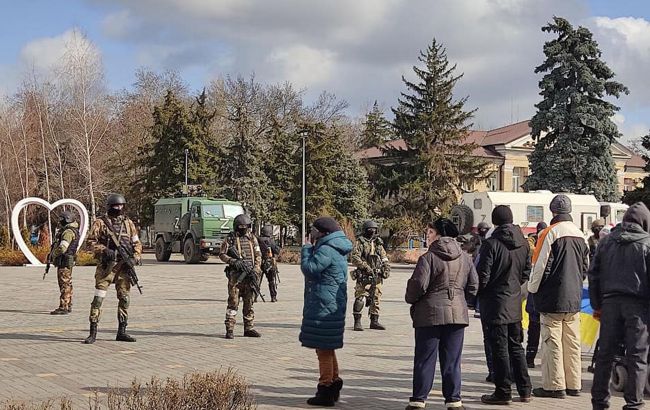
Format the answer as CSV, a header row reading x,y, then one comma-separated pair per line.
x,y
446,342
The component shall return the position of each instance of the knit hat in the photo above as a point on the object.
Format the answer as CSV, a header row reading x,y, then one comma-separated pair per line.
x,y
501,215
541,226
638,213
445,227
326,224
561,204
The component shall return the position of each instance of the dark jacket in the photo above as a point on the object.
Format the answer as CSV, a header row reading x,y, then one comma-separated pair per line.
x,y
325,268
443,280
268,246
503,266
620,269
560,263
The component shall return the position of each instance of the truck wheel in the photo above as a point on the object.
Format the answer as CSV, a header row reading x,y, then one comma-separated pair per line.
x,y
463,217
619,377
205,256
163,252
190,252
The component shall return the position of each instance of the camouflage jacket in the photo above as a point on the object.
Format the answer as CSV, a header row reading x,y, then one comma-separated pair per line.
x,y
363,248
65,237
247,246
99,237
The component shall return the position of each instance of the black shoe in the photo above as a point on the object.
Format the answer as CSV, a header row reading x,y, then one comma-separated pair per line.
x,y
493,399
274,299
357,322
122,336
337,385
553,394
530,363
59,311
489,378
572,392
230,334
252,333
324,396
374,323
93,334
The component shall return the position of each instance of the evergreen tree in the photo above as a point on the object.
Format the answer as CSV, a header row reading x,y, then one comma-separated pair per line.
x,y
573,127
203,151
376,128
641,194
428,174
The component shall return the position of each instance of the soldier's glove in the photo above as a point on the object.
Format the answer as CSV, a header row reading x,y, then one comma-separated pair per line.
x,y
108,256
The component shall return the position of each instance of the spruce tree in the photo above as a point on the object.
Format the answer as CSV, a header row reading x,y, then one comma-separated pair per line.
x,y
573,127
429,173
377,129
203,151
641,194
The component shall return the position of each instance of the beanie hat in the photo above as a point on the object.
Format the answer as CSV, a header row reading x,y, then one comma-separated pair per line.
x,y
326,224
445,227
561,204
501,215
638,213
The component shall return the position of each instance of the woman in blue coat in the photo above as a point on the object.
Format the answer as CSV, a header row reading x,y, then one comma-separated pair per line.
x,y
325,267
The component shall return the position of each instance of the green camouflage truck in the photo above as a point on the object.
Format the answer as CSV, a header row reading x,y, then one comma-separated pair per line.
x,y
194,226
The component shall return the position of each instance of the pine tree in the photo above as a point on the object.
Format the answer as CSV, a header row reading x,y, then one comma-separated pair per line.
x,y
641,194
202,150
376,128
573,127
428,174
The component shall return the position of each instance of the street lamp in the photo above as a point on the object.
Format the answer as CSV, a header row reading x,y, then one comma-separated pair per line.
x,y
303,134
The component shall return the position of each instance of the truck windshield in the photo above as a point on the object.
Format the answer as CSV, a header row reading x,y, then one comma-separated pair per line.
x,y
231,211
213,211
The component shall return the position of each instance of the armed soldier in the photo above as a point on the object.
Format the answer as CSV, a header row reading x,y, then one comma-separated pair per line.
x,y
62,255
107,233
371,262
270,251
241,251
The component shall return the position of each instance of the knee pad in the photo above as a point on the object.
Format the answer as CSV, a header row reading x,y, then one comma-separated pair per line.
x,y
97,302
358,305
123,301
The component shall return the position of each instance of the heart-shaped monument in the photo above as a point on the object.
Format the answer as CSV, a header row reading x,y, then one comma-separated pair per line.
x,y
15,227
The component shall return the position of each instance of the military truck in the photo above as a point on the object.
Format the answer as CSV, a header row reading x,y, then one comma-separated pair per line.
x,y
195,226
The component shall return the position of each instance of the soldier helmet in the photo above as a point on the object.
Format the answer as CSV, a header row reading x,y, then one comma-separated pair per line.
x,y
267,230
242,219
115,199
369,225
66,217
483,225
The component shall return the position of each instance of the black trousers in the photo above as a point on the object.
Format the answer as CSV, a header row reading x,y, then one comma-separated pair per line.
x,y
508,359
534,328
622,322
486,347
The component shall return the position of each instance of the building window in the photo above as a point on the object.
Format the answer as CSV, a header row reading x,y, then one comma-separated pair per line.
x,y
493,182
519,175
534,213
629,184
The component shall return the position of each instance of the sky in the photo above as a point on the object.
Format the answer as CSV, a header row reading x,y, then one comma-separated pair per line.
x,y
358,50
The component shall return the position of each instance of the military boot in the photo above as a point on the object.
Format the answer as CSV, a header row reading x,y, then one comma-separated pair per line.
x,y
374,323
93,334
230,334
252,333
357,322
122,336
59,311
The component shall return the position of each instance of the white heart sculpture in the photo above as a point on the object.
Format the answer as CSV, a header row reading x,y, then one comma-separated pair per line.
x,y
15,227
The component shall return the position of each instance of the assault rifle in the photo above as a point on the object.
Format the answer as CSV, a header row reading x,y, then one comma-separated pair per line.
x,y
128,259
374,261
48,262
245,270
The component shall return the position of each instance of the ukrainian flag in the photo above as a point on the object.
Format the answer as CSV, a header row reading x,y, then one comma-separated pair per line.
x,y
588,325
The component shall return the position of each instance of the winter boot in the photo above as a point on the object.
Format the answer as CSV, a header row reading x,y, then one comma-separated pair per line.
x,y
93,334
59,311
357,322
337,385
122,336
324,396
252,333
374,323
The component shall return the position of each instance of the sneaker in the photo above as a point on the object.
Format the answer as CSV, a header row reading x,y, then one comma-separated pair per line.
x,y
572,392
415,405
553,394
493,399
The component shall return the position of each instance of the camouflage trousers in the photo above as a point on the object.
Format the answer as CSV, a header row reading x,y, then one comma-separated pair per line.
x,y
235,292
271,274
362,293
104,276
64,277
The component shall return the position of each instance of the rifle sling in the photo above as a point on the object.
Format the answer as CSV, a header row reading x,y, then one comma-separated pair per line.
x,y
111,233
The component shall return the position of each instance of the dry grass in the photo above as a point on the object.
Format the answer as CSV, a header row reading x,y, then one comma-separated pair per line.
x,y
409,256
15,257
63,404
289,256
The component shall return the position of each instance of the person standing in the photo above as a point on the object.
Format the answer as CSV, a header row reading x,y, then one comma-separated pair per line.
x,y
560,263
532,341
107,232
63,254
248,252
270,251
368,246
596,227
438,292
503,266
324,264
619,289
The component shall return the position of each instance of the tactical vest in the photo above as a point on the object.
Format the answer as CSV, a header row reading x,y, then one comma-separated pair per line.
x,y
370,247
120,228
67,258
74,245
244,246
265,247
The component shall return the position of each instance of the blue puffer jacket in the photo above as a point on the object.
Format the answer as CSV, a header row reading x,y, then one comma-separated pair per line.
x,y
325,267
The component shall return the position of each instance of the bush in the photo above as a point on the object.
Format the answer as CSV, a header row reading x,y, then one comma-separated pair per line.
x,y
15,257
85,258
64,404
289,256
410,256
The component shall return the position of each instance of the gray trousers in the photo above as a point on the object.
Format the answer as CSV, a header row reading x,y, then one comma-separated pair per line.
x,y
627,323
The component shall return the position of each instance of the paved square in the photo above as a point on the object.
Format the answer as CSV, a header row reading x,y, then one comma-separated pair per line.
x,y
179,326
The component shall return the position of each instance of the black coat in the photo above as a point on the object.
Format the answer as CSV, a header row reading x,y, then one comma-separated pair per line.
x,y
503,266
268,244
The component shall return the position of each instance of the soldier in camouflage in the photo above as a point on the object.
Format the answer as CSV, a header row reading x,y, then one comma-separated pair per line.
x,y
269,251
62,255
112,268
248,249
369,243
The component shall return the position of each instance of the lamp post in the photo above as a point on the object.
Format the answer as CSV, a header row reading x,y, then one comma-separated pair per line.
x,y
303,134
186,152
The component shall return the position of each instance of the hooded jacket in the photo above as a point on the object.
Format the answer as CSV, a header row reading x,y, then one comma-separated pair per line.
x,y
503,266
620,269
442,282
325,268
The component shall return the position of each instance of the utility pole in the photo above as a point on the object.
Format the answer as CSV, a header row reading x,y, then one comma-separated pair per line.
x,y
186,152
304,186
